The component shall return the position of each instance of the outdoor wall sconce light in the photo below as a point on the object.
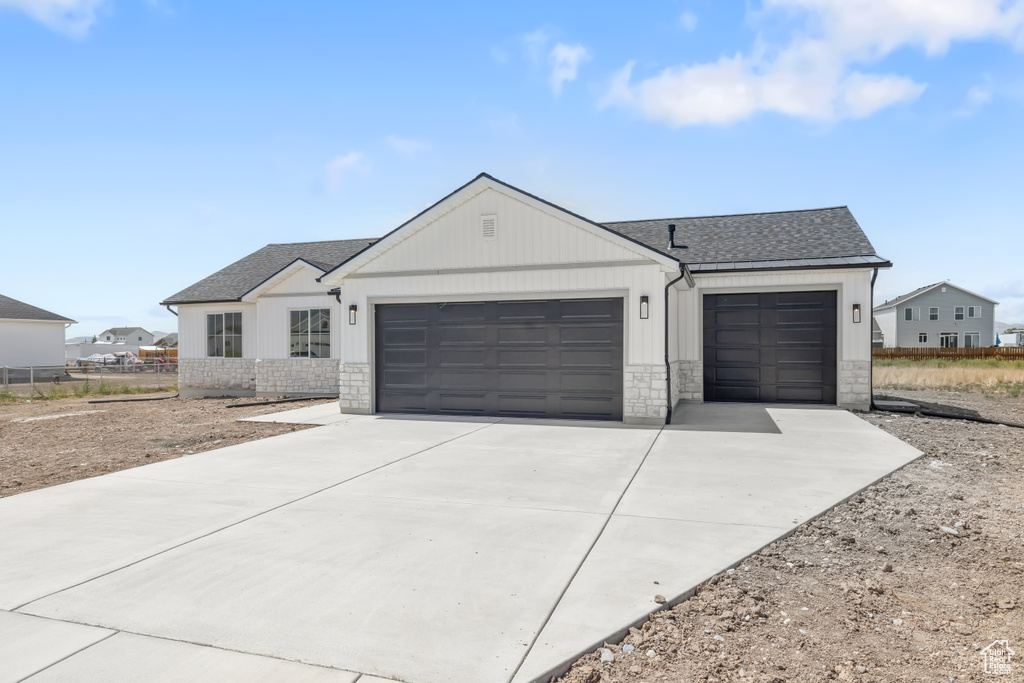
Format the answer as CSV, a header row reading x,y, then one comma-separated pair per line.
x,y
856,313
352,314
644,306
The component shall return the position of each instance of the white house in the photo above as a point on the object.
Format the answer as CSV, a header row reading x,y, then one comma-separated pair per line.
x,y
30,336
496,302
131,336
941,315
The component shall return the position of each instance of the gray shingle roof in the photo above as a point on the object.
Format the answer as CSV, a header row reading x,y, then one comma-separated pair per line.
x,y
904,297
12,309
755,241
234,281
122,331
812,238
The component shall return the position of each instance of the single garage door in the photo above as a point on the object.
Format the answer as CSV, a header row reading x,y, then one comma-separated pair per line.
x,y
555,359
770,347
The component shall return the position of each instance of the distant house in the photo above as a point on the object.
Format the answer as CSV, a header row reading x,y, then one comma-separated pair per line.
x,y
132,336
30,336
939,315
168,341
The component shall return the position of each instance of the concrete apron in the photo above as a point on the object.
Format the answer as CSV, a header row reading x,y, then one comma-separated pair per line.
x,y
420,550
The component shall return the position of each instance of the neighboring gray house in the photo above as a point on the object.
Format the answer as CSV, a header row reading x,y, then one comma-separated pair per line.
x,y
941,315
496,302
30,336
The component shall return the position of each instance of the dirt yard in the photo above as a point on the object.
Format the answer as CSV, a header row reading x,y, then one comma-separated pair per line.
x,y
52,442
907,582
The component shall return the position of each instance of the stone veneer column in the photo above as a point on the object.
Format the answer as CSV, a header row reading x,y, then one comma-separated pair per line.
x,y
687,380
855,384
645,394
354,388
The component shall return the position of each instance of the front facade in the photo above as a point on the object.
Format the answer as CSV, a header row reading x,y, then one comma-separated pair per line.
x,y
495,302
30,336
941,315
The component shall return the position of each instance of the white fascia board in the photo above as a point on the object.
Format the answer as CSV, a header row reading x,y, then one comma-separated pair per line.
x,y
278,277
36,320
391,240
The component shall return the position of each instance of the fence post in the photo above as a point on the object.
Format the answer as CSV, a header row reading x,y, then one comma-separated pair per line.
x,y
5,378
31,381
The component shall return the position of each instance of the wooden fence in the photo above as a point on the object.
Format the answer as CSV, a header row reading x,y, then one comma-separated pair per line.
x,y
999,352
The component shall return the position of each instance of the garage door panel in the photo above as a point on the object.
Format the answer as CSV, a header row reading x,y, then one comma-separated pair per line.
x,y
536,335
408,336
520,358
790,356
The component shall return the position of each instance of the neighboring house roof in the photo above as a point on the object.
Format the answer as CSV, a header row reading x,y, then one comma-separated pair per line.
x,y
169,339
12,309
811,238
122,331
815,238
235,281
927,288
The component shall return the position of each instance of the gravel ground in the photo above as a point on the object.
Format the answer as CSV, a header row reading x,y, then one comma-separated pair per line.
x,y
874,590
44,443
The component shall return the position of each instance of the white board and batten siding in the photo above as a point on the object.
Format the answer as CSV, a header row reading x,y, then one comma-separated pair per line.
x,y
852,286
495,246
192,327
525,235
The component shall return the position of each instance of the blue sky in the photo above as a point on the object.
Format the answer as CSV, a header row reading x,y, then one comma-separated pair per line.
x,y
144,145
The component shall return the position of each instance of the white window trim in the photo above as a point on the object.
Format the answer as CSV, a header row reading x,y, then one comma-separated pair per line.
x,y
971,334
241,340
922,334
930,309
959,311
955,335
972,308
915,316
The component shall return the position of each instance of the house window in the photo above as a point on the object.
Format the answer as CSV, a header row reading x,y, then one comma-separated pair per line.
x,y
958,313
933,313
922,337
911,314
224,335
140,338
310,333
972,340
949,340
974,311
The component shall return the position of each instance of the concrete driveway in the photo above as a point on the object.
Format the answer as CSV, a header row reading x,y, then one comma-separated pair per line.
x,y
425,550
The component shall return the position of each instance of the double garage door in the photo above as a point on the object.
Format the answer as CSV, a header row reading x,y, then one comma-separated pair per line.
x,y
553,359
770,347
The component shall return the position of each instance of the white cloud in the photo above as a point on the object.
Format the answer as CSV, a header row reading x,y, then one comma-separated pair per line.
x,y
535,45
408,147
688,20
73,17
337,171
813,74
565,62
978,97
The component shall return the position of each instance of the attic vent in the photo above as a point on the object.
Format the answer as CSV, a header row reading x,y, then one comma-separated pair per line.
x,y
489,227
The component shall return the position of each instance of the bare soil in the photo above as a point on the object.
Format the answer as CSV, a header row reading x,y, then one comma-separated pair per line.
x,y
874,590
76,439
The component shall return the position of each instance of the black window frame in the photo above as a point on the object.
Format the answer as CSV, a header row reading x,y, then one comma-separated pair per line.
x,y
303,340
224,334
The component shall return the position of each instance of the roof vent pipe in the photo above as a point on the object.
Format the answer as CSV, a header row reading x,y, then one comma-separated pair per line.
x,y
671,235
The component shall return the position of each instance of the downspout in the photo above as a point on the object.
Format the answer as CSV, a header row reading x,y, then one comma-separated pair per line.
x,y
668,366
871,373
168,307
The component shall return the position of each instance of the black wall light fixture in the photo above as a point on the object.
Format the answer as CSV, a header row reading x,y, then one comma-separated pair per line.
x,y
352,314
644,307
856,313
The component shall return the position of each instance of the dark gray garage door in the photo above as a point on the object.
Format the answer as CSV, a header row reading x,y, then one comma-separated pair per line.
x,y
558,359
778,346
